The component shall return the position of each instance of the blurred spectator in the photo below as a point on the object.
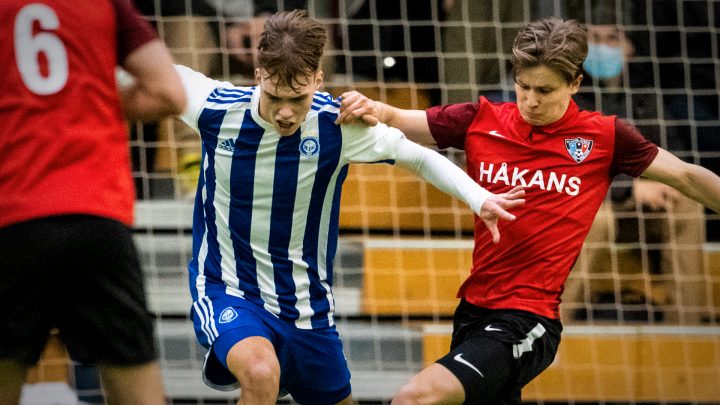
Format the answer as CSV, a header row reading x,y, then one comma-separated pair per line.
x,y
245,20
668,226
392,41
202,31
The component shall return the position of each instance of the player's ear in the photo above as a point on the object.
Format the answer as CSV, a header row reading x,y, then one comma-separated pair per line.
x,y
319,76
575,84
258,76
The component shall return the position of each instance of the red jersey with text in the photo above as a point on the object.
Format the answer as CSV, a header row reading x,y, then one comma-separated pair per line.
x,y
63,141
566,168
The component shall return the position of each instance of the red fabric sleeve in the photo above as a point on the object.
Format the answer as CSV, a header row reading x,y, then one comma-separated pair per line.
x,y
132,30
449,123
633,153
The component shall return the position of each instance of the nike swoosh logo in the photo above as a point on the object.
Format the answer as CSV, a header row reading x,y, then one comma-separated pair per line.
x,y
489,328
459,359
496,133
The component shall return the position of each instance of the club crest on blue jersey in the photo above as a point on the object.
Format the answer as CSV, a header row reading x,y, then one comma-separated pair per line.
x,y
310,146
579,148
228,315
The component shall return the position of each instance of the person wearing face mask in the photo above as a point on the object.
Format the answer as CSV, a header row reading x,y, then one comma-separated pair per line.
x,y
507,326
667,218
607,47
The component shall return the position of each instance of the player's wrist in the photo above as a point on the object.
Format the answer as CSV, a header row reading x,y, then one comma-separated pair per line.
x,y
383,113
480,196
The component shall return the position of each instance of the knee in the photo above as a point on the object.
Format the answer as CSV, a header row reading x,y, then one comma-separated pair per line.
x,y
259,374
254,364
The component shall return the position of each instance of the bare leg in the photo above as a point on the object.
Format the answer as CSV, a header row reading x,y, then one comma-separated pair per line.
x,y
254,363
434,385
13,376
133,385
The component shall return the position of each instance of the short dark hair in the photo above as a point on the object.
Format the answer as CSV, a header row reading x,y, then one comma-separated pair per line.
x,y
291,44
558,44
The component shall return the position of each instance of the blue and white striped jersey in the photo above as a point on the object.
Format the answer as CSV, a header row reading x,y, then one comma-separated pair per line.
x,y
267,206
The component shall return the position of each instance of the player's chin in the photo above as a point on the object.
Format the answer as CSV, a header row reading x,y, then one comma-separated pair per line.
x,y
286,130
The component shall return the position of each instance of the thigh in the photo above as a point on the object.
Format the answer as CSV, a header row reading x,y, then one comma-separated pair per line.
x,y
314,369
13,377
533,355
217,314
221,323
506,349
483,366
28,298
106,319
141,384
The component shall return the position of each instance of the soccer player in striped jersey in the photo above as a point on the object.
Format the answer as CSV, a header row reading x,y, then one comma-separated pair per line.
x,y
266,215
507,325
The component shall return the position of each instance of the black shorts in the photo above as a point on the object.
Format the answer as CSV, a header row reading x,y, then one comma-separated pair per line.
x,y
494,353
79,274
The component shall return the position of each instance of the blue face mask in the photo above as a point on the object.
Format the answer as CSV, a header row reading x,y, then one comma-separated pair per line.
x,y
603,61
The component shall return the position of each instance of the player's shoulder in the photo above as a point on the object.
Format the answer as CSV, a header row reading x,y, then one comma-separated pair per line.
x,y
589,118
226,93
490,106
325,102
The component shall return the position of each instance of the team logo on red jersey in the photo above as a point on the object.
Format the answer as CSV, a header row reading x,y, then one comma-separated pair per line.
x,y
578,148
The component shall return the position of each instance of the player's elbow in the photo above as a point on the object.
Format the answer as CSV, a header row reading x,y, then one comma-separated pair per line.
x,y
162,99
174,98
169,93
158,86
688,177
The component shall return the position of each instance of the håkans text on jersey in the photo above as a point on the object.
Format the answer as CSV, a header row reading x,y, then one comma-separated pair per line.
x,y
496,174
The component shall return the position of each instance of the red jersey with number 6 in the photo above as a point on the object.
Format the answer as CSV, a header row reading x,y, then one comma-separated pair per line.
x,y
566,168
63,141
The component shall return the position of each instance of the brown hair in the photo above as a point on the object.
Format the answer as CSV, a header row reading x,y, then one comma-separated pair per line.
x,y
291,44
554,43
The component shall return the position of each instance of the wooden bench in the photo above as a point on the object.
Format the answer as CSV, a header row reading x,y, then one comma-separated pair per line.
x,y
414,276
385,197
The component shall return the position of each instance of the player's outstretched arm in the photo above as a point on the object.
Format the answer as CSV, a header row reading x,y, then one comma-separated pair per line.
x,y
447,177
356,107
694,181
156,91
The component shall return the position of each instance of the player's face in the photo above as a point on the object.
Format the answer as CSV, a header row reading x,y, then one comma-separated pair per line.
x,y
284,107
543,94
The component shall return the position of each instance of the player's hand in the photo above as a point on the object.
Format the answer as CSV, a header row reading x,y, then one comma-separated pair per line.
x,y
496,206
356,107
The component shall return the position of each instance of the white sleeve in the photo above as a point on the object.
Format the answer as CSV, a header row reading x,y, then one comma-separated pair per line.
x,y
197,88
441,173
363,144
